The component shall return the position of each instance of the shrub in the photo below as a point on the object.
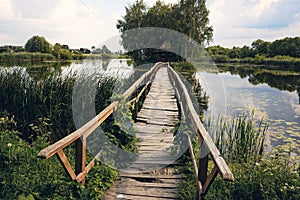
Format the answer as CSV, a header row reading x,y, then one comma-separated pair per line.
x,y
23,175
258,175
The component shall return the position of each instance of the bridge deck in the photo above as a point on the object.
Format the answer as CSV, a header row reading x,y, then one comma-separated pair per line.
x,y
152,175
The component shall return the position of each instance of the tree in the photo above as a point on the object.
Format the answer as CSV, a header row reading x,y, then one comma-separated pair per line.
x,y
105,50
192,17
261,47
188,16
247,52
38,44
134,18
56,50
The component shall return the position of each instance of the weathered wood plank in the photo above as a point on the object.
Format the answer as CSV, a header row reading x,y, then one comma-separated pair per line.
x,y
89,127
210,179
153,176
66,164
114,196
154,125
80,162
224,170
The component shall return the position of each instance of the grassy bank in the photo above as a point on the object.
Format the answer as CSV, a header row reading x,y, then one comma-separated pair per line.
x,y
258,174
24,176
30,58
241,141
277,62
33,115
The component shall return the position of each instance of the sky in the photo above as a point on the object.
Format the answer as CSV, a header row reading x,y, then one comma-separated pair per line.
x,y
86,23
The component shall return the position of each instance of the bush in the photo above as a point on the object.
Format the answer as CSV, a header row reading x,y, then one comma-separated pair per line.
x,y
23,175
65,54
258,175
275,176
12,59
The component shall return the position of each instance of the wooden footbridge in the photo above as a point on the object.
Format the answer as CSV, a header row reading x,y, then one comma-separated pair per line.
x,y
153,174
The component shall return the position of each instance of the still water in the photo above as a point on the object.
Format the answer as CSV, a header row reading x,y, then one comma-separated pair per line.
x,y
272,95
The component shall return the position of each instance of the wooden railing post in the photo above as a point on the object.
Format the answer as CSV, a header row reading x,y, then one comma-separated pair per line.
x,y
203,163
203,166
80,150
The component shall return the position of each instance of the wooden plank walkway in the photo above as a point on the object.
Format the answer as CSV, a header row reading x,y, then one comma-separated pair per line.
x,y
153,175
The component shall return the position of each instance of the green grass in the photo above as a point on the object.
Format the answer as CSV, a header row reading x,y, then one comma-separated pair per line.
x,y
12,59
282,62
36,113
22,174
258,174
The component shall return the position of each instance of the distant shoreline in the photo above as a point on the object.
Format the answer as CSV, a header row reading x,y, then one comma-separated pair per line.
x,y
29,57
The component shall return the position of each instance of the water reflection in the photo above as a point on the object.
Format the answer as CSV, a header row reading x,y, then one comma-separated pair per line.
x,y
273,95
282,80
119,68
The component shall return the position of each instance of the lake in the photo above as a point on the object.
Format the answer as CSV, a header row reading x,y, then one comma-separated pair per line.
x,y
272,95
232,90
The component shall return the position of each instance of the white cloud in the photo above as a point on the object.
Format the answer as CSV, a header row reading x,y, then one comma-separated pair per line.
x,y
259,8
82,23
33,8
64,21
6,9
239,22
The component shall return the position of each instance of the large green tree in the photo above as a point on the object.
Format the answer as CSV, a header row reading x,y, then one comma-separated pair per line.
x,y
188,16
38,44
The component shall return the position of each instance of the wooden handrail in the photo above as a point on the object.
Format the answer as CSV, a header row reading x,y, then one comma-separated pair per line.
x,y
204,138
80,135
90,126
187,110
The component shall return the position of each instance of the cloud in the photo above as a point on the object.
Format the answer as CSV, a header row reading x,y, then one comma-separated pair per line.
x,y
6,10
64,21
33,8
237,22
83,23
274,14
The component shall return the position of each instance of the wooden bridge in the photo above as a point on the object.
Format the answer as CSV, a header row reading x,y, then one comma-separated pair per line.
x,y
153,174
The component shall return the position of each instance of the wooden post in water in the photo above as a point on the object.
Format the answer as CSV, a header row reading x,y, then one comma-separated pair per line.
x,y
80,150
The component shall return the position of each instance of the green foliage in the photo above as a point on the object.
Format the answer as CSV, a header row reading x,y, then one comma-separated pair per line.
x,y
275,176
61,53
188,70
65,54
38,44
258,175
45,105
44,112
24,176
184,67
241,139
188,16
279,52
13,59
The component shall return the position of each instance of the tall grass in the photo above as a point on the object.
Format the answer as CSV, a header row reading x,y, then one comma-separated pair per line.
x,y
24,176
258,174
284,62
12,59
240,139
42,113
45,106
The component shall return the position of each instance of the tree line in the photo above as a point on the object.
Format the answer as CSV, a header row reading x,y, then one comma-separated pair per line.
x,y
40,49
281,47
189,17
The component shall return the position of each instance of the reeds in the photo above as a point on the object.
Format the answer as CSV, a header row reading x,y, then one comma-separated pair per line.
x,y
12,59
45,106
239,139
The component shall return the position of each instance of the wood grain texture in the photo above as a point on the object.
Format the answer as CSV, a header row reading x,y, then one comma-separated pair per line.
x,y
152,175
